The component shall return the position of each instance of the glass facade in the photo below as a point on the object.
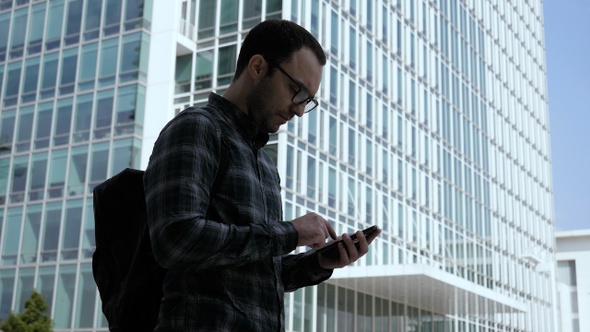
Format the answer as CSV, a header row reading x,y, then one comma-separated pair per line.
x,y
72,94
432,124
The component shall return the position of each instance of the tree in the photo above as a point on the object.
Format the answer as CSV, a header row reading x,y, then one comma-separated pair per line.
x,y
33,319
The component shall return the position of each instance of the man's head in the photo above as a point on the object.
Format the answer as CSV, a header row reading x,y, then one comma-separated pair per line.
x,y
278,73
277,40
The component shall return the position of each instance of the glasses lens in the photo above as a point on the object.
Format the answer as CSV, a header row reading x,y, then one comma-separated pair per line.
x,y
300,96
311,105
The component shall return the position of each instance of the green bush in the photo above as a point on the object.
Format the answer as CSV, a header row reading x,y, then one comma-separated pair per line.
x,y
33,319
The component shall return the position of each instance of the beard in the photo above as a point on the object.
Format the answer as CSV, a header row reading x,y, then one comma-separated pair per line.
x,y
257,104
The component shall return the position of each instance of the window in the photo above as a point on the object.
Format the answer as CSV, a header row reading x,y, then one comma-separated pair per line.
x,y
64,296
88,241
311,177
87,72
68,71
204,70
86,297
126,106
19,27
226,64
71,230
228,16
37,176
108,65
49,75
130,57
61,133
77,170
98,164
31,231
57,173
73,23
25,129
45,281
11,236
4,28
31,78
207,19
6,290
252,13
112,17
134,14
334,32
36,25
19,179
82,118
13,80
43,127
92,20
7,119
104,114
567,272
125,154
54,25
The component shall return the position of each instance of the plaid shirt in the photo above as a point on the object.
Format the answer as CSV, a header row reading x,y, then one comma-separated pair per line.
x,y
226,249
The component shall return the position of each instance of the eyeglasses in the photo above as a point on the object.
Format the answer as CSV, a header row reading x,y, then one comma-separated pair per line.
x,y
302,95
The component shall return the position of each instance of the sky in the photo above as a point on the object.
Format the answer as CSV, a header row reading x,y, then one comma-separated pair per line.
x,y
567,46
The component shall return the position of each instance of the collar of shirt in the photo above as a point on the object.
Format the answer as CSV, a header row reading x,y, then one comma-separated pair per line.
x,y
240,120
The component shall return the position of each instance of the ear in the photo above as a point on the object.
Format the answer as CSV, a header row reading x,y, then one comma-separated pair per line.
x,y
257,67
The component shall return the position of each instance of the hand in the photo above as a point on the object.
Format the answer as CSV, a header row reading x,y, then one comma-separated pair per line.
x,y
348,250
313,230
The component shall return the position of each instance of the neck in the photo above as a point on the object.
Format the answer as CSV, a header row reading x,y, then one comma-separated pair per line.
x,y
236,94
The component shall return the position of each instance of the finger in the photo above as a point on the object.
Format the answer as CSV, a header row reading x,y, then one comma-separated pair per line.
x,y
350,248
330,229
373,236
363,245
344,259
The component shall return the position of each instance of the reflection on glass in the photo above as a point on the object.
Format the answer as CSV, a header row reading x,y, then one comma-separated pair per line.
x,y
71,230
19,179
51,232
24,288
77,171
43,127
37,174
31,78
31,231
11,236
64,296
54,25
61,133
57,173
104,114
86,298
36,25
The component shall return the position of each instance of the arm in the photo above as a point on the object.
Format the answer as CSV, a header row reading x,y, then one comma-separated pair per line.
x,y
312,268
178,184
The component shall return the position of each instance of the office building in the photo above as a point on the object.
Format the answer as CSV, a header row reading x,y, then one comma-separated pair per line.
x,y
573,268
432,124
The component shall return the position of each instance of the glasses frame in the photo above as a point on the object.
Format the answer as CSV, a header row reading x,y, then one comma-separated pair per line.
x,y
310,103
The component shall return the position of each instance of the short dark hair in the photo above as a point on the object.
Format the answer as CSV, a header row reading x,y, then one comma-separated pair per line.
x,y
278,40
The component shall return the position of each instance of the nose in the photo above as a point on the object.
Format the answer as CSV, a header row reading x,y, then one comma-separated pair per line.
x,y
298,109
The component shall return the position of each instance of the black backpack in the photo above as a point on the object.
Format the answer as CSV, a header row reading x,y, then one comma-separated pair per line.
x,y
127,275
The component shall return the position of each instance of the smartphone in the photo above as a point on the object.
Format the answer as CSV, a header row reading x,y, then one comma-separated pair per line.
x,y
331,250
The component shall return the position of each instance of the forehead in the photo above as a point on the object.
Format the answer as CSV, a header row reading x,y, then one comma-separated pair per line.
x,y
304,67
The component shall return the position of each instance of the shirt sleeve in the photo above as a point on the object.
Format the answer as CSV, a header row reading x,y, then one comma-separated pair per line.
x,y
178,182
303,270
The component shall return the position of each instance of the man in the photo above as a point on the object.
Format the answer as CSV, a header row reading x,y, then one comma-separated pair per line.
x,y
213,195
